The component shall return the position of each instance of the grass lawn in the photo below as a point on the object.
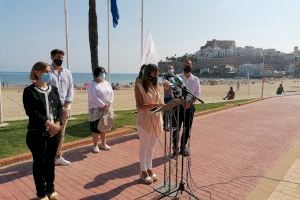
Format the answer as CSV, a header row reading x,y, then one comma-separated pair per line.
x,y
13,136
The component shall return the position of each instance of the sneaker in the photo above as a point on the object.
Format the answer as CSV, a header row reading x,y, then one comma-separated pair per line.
x,y
53,196
96,149
42,198
174,154
105,147
184,152
62,161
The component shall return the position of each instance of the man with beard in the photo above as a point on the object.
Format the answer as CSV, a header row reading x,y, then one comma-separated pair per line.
x,y
186,113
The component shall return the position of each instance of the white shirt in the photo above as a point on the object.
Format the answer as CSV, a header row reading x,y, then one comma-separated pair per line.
x,y
64,83
99,94
192,83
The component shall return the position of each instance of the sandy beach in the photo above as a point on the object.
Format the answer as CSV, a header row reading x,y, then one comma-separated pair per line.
x,y
124,98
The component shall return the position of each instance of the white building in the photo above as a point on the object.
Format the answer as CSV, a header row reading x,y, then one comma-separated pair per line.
x,y
254,70
290,69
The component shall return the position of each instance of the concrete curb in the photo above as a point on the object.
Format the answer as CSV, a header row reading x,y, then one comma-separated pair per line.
x,y
114,134
67,146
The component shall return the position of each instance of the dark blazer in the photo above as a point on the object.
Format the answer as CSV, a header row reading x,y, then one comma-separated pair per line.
x,y
35,104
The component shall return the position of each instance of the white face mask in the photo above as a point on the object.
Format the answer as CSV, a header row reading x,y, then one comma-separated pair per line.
x,y
101,76
171,71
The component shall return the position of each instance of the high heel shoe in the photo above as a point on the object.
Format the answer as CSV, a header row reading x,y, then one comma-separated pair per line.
x,y
153,176
146,178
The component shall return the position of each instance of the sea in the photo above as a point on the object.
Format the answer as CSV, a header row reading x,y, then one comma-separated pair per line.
x,y
22,78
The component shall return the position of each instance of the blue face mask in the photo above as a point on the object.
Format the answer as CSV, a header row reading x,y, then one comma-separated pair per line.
x,y
45,77
101,76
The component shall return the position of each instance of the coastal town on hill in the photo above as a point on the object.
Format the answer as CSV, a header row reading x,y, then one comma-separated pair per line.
x,y
223,59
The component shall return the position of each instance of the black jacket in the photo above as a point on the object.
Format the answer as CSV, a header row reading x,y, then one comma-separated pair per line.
x,y
35,104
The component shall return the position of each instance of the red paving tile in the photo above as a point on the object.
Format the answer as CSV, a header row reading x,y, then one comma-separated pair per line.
x,y
241,141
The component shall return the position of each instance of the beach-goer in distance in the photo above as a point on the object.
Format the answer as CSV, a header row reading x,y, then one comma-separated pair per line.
x,y
149,125
230,94
280,90
43,107
100,100
63,80
238,85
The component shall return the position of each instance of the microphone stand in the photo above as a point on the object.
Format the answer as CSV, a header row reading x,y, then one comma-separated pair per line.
x,y
181,187
184,89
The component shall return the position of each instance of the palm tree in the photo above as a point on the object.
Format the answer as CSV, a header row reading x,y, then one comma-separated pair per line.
x,y
93,33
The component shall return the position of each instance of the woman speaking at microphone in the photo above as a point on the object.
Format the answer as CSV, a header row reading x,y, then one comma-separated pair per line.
x,y
149,125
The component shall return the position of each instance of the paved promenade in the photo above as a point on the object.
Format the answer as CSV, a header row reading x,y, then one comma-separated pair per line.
x,y
231,151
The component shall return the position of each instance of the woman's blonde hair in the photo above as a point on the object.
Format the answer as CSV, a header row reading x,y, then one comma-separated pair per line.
x,y
39,66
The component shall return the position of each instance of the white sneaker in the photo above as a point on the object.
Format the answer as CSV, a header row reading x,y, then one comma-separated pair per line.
x,y
42,198
53,196
96,149
62,161
105,147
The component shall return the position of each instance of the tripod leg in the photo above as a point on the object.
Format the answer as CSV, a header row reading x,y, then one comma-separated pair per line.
x,y
170,147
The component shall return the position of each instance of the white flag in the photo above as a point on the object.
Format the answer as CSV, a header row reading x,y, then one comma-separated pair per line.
x,y
149,52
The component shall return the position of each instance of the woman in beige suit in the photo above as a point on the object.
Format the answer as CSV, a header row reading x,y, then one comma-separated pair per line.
x,y
149,125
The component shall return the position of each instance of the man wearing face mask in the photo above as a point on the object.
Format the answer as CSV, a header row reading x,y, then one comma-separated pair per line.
x,y
168,93
63,80
186,113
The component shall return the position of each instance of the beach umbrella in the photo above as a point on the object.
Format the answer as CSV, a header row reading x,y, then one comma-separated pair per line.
x,y
149,52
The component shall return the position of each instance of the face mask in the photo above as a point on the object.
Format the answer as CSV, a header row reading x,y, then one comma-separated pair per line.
x,y
101,76
171,71
153,79
187,69
58,61
45,77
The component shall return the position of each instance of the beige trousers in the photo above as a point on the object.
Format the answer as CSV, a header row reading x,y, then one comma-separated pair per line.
x,y
65,116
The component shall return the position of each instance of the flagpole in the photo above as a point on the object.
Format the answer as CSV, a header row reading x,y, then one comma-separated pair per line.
x,y
108,41
142,28
66,33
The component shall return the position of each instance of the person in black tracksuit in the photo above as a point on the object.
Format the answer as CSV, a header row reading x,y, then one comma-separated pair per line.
x,y
43,107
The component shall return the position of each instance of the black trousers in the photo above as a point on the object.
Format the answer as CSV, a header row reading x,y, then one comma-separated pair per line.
x,y
43,149
186,117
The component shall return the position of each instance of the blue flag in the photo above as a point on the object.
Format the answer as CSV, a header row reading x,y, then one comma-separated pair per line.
x,y
114,12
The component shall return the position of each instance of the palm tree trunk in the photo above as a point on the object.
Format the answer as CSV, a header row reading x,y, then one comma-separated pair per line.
x,y
93,33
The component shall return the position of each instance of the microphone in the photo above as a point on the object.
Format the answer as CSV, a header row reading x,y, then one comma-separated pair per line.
x,y
179,81
167,74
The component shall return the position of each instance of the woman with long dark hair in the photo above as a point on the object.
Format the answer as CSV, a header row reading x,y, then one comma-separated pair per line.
x,y
149,125
43,107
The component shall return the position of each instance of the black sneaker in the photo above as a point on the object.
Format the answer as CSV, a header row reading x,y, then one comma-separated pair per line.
x,y
174,154
184,152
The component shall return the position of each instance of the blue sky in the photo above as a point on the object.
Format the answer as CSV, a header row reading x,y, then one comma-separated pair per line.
x,y
31,28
